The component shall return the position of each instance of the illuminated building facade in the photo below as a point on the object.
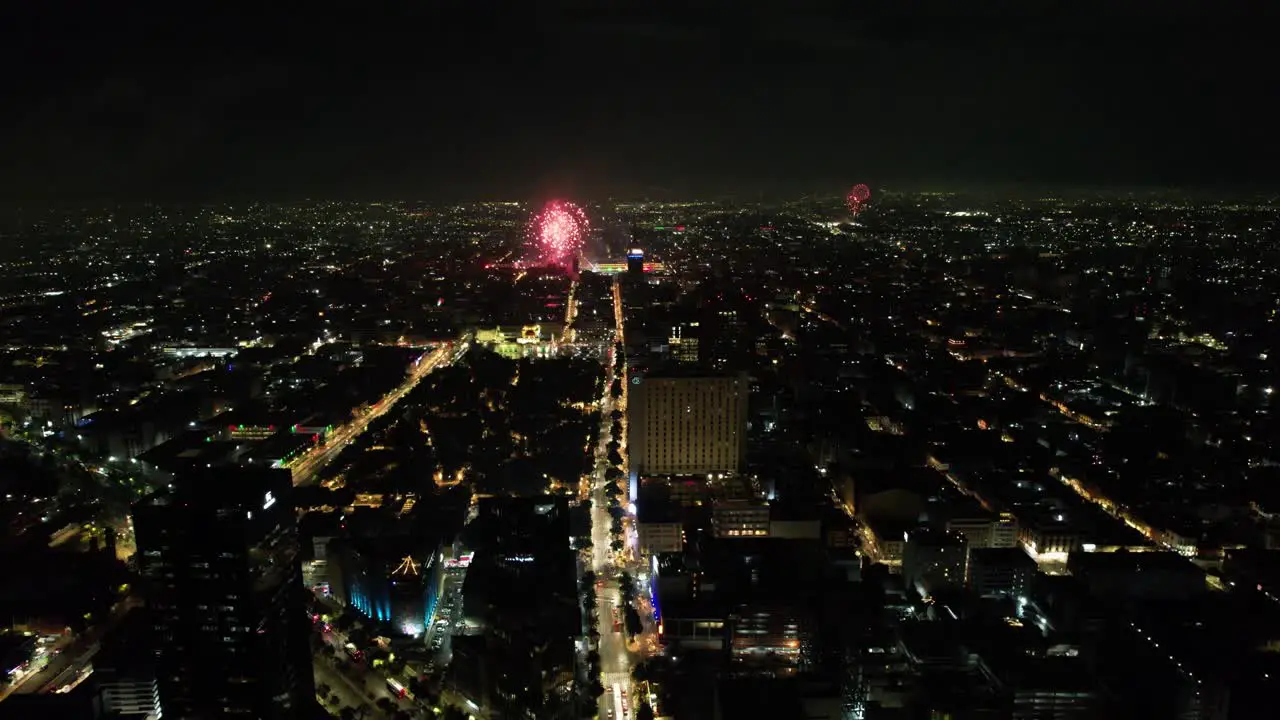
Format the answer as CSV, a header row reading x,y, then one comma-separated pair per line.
x,y
986,531
124,671
619,268
128,697
189,352
686,424
252,431
387,581
635,262
218,552
740,519
682,342
515,342
1049,537
773,637
695,633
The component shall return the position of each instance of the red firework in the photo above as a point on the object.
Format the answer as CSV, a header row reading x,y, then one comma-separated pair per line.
x,y
857,198
558,232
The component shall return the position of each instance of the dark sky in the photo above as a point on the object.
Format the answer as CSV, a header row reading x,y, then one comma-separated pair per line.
x,y
459,100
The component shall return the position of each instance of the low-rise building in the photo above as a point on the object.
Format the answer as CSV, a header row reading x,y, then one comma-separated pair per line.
x,y
986,530
1001,571
740,519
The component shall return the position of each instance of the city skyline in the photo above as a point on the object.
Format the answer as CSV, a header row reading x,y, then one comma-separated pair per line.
x,y
590,361
635,450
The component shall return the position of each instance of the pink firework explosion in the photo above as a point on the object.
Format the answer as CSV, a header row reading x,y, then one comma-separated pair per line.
x,y
559,231
858,198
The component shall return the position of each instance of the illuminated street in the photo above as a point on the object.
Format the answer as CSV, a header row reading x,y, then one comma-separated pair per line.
x,y
357,679
307,466
69,656
449,617
615,660
347,691
570,314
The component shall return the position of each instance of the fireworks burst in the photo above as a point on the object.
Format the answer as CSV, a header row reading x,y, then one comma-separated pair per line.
x,y
558,232
858,198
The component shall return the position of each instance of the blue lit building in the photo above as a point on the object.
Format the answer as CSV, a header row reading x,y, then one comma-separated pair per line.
x,y
635,262
389,580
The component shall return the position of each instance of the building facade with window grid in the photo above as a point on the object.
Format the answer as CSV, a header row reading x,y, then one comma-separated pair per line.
x,y
687,424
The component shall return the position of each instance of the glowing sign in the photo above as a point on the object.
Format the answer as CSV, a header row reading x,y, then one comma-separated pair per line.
x,y
635,253
635,380
269,501
463,561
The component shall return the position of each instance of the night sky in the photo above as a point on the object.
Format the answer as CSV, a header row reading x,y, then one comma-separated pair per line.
x,y
452,102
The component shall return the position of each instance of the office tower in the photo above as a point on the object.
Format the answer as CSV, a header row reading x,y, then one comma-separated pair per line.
x,y
218,553
686,424
522,591
635,262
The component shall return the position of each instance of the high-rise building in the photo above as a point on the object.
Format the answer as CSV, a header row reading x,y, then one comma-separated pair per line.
x,y
522,592
218,551
686,424
635,262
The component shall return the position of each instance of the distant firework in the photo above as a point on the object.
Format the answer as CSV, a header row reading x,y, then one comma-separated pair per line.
x,y
858,198
558,232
